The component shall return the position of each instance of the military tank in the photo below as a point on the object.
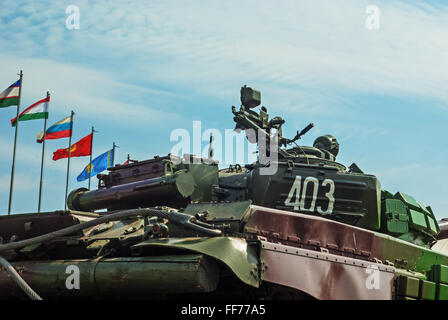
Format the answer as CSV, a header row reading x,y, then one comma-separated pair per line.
x,y
296,224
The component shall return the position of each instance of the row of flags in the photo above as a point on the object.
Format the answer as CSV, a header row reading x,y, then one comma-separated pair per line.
x,y
61,129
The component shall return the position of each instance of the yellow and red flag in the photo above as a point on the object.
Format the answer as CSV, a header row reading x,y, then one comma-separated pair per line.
x,y
81,148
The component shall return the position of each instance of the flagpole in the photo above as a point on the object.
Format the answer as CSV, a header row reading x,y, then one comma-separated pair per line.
x,y
90,163
15,143
43,156
113,153
68,161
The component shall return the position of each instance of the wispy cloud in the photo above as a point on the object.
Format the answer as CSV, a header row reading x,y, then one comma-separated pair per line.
x,y
90,92
211,46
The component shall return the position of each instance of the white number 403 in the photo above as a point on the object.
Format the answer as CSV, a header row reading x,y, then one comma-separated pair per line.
x,y
300,195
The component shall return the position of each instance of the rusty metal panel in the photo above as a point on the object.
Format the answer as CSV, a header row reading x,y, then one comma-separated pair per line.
x,y
315,233
122,174
325,276
311,230
24,226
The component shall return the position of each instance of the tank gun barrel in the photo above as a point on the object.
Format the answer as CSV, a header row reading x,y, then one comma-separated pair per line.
x,y
172,190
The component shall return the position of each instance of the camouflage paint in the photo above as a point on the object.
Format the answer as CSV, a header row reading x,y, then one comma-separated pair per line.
x,y
235,253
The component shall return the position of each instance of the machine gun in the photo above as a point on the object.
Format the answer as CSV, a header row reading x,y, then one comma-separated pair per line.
x,y
247,119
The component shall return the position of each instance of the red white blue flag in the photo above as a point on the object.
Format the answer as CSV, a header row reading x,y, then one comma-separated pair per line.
x,y
60,129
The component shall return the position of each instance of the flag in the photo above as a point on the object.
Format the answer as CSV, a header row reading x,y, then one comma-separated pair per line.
x,y
38,110
126,163
81,148
10,97
98,165
60,129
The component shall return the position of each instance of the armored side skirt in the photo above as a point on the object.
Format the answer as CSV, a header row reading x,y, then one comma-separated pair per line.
x,y
119,277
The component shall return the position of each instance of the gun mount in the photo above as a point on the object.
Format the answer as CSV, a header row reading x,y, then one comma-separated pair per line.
x,y
258,128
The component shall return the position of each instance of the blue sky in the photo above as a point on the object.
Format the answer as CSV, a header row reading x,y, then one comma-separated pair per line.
x,y
136,70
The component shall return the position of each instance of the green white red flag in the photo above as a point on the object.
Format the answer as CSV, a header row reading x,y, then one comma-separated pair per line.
x,y
38,110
